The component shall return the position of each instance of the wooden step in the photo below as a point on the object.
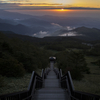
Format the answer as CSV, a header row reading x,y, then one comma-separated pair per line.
x,y
51,89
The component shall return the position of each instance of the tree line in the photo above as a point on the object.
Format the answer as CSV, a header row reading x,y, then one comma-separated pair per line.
x,y
74,62
18,57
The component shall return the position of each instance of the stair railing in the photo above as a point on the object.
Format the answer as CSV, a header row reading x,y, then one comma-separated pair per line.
x,y
67,83
36,82
46,71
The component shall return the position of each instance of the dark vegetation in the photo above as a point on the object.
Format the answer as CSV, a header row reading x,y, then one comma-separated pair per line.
x,y
1,81
18,57
21,54
61,46
74,62
95,52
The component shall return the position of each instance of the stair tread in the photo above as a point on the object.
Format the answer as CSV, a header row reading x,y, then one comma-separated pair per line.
x,y
52,89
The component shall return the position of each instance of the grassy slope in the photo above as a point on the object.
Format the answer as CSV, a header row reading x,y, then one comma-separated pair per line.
x,y
16,84
91,82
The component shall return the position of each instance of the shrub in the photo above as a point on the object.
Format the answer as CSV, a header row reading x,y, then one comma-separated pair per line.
x,y
6,47
11,68
96,63
55,47
76,74
29,62
73,62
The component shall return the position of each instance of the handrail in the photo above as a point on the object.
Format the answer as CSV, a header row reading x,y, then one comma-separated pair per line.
x,y
70,80
36,82
61,72
42,74
73,98
27,98
85,96
67,83
31,81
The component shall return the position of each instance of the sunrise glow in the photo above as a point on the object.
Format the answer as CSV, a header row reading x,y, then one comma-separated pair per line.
x,y
61,10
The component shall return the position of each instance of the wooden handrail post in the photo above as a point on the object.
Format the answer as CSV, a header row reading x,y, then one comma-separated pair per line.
x,y
42,72
71,82
68,86
31,80
61,72
33,89
42,75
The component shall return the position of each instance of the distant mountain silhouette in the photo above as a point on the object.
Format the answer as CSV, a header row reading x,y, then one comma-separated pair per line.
x,y
42,25
71,21
60,32
36,39
51,38
19,29
7,21
11,34
62,20
13,15
35,22
83,33
92,33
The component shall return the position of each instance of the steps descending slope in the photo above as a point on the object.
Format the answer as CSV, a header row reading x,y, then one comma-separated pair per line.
x,y
51,89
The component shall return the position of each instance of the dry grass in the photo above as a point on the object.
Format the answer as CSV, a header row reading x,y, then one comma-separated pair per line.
x,y
91,82
16,84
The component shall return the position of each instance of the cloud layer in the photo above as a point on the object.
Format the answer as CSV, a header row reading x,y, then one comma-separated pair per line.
x,y
41,34
22,5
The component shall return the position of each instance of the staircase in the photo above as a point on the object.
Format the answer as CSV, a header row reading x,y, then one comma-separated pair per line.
x,y
51,89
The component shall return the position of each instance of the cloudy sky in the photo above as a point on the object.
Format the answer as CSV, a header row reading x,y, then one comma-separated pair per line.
x,y
59,10
48,4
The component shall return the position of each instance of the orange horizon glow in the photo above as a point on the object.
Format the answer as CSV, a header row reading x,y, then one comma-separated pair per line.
x,y
61,10
57,12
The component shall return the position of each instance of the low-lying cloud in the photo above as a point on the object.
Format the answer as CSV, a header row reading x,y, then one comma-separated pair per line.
x,y
41,34
56,30
69,28
56,25
69,34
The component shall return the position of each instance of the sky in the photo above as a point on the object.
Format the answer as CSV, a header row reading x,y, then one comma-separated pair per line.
x,y
48,4
80,8
87,9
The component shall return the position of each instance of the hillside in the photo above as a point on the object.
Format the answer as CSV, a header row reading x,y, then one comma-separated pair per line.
x,y
82,33
11,34
13,15
21,56
92,33
19,29
87,35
